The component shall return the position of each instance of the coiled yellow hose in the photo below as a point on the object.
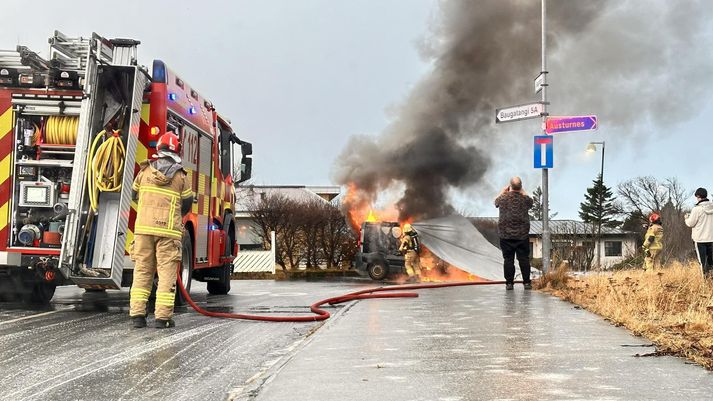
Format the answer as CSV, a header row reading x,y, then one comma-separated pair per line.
x,y
105,166
61,130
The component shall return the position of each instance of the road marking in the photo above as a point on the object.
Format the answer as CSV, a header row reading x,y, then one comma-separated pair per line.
x,y
19,319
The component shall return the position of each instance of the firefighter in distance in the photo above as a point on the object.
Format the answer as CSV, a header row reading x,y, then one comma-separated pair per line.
x,y
164,196
410,248
653,243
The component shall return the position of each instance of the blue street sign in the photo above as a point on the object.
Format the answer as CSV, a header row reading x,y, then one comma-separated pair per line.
x,y
544,151
554,125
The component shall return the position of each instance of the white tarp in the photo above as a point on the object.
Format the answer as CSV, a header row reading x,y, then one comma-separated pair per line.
x,y
455,240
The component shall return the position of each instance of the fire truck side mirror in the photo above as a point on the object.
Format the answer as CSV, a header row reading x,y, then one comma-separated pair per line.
x,y
246,170
246,162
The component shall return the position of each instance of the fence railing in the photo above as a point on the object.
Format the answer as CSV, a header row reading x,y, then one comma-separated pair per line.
x,y
256,261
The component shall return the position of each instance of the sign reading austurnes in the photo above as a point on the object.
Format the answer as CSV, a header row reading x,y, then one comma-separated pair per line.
x,y
517,113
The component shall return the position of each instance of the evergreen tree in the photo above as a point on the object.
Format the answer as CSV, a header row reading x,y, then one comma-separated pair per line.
x,y
536,213
598,207
599,210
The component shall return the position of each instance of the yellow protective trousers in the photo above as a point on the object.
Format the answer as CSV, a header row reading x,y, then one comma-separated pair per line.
x,y
652,262
151,255
412,263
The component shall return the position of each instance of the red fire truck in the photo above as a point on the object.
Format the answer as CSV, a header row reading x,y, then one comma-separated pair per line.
x,y
73,129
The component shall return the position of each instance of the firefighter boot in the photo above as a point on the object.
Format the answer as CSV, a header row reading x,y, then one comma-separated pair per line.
x,y
164,324
139,322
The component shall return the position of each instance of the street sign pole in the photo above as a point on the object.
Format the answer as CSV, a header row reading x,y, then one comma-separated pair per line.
x,y
546,244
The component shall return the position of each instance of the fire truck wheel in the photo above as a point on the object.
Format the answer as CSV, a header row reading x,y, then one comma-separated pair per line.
x,y
38,293
222,286
186,268
377,271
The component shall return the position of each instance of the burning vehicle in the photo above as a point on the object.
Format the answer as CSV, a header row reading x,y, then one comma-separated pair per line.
x,y
378,254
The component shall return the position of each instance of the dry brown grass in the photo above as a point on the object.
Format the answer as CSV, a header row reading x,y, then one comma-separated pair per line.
x,y
672,307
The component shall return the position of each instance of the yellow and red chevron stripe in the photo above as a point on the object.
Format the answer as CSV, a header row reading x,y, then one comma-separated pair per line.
x,y
6,146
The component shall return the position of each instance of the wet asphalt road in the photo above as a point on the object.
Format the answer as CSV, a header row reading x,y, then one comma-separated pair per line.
x,y
478,343
82,347
469,343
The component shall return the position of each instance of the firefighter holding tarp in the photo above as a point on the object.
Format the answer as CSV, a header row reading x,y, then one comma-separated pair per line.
x,y
164,196
409,248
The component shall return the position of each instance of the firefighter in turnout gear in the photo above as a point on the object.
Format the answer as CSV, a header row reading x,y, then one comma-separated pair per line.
x,y
410,248
164,195
653,243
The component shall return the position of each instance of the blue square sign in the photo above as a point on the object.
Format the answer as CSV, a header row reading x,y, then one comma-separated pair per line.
x,y
544,151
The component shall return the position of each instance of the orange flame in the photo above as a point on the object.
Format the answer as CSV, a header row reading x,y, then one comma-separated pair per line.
x,y
434,270
359,207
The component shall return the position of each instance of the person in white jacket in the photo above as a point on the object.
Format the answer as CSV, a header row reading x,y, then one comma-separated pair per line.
x,y
701,221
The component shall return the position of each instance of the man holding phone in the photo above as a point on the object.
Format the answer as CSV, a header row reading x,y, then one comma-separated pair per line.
x,y
514,230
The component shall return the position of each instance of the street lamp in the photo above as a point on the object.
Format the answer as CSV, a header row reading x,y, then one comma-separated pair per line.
x,y
591,148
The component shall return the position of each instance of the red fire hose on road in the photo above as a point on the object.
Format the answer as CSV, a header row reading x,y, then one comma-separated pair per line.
x,y
321,314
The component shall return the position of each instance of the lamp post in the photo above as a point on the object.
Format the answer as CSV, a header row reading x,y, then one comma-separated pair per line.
x,y
592,147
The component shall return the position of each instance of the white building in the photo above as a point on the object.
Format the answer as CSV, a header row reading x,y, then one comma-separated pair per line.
x,y
616,244
248,195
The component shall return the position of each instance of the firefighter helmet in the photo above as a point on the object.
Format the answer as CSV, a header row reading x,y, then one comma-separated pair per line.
x,y
408,228
654,217
169,142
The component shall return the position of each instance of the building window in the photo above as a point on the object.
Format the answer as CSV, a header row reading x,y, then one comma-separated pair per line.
x,y
532,249
561,245
612,248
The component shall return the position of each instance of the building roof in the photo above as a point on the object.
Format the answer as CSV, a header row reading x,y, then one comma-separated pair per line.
x,y
563,227
246,195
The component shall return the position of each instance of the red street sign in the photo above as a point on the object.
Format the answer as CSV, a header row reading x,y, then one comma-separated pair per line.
x,y
554,125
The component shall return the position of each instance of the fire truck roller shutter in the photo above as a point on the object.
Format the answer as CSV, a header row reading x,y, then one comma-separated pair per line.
x,y
205,163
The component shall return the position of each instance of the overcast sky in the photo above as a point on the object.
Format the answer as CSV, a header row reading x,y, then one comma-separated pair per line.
x,y
298,78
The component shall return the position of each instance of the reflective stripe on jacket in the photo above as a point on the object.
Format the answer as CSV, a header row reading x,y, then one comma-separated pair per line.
x,y
653,240
159,206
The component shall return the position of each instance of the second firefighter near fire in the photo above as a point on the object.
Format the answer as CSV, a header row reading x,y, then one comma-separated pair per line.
x,y
410,248
164,196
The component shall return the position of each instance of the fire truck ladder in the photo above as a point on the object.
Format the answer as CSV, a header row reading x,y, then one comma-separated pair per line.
x,y
94,243
22,66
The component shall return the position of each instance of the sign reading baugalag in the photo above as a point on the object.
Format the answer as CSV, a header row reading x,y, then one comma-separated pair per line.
x,y
554,125
517,113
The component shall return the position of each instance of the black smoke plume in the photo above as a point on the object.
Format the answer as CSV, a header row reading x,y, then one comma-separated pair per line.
x,y
485,54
